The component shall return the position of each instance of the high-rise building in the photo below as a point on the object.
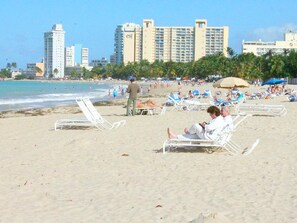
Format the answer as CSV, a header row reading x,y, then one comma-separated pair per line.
x,y
134,43
112,59
69,56
84,56
76,55
260,48
102,63
127,43
54,43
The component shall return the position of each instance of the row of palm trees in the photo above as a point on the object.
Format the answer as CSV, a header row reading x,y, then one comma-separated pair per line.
x,y
247,66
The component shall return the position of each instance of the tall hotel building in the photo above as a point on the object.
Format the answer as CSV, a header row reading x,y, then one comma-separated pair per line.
x,y
54,43
76,55
134,43
260,48
69,56
127,44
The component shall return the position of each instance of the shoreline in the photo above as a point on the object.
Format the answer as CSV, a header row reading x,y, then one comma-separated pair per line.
x,y
159,94
52,95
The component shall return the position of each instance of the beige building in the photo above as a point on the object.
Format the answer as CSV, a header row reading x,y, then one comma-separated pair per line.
x,y
40,65
128,46
260,48
35,70
179,44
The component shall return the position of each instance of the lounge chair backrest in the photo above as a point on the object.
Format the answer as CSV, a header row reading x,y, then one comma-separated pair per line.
x,y
85,110
174,96
196,92
93,110
206,93
98,119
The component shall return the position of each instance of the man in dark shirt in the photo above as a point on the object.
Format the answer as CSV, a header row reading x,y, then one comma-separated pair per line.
x,y
132,89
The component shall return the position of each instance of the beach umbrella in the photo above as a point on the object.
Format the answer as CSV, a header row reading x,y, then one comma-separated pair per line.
x,y
231,82
274,81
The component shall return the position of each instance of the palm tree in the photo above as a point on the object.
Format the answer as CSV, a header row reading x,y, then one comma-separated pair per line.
x,y
56,71
14,65
230,52
38,70
8,66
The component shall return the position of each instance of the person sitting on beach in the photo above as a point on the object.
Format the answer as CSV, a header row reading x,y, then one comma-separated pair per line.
x,y
147,104
203,130
225,113
190,94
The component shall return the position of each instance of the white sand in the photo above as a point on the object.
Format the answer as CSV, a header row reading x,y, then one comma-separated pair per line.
x,y
122,176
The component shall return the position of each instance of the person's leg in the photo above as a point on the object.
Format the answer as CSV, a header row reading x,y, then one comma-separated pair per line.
x,y
196,129
171,135
134,106
128,107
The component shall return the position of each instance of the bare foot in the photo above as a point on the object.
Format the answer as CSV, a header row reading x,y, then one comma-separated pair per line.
x,y
170,134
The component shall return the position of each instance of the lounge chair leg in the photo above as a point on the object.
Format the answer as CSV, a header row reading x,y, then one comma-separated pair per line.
x,y
249,150
164,147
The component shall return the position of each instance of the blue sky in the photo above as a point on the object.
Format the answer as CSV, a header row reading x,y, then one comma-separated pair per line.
x,y
92,22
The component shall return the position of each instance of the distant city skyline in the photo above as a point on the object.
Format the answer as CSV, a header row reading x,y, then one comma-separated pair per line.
x,y
92,23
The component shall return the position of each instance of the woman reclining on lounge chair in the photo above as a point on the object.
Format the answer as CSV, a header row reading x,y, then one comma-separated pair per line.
x,y
203,130
147,104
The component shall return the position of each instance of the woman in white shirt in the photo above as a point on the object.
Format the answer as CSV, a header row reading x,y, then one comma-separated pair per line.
x,y
203,130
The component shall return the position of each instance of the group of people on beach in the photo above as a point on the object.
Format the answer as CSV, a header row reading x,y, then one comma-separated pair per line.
x,y
220,119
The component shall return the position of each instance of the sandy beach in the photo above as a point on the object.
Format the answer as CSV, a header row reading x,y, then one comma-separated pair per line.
x,y
86,175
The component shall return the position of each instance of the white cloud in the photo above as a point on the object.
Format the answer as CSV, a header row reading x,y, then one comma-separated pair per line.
x,y
273,33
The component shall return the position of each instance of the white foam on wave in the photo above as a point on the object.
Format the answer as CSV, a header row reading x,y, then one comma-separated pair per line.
x,y
48,100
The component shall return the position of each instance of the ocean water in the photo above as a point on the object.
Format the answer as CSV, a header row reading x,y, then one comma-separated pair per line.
x,y
24,95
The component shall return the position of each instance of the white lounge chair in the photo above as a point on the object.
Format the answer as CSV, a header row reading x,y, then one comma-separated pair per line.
x,y
176,102
145,111
97,119
92,118
71,122
188,104
86,121
195,105
261,109
223,141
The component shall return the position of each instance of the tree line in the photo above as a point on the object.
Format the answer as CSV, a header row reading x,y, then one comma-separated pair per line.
x,y
246,66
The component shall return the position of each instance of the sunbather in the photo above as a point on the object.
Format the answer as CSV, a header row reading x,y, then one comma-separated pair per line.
x,y
147,104
203,130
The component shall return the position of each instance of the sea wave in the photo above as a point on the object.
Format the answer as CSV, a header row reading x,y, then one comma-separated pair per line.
x,y
29,95
47,100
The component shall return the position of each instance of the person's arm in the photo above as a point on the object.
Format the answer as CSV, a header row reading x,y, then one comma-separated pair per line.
x,y
203,124
214,124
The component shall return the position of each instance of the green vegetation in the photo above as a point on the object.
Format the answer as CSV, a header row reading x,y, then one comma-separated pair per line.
x,y
246,66
4,73
20,77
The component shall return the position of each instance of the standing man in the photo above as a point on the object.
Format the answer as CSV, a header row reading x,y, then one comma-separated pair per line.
x,y
132,89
